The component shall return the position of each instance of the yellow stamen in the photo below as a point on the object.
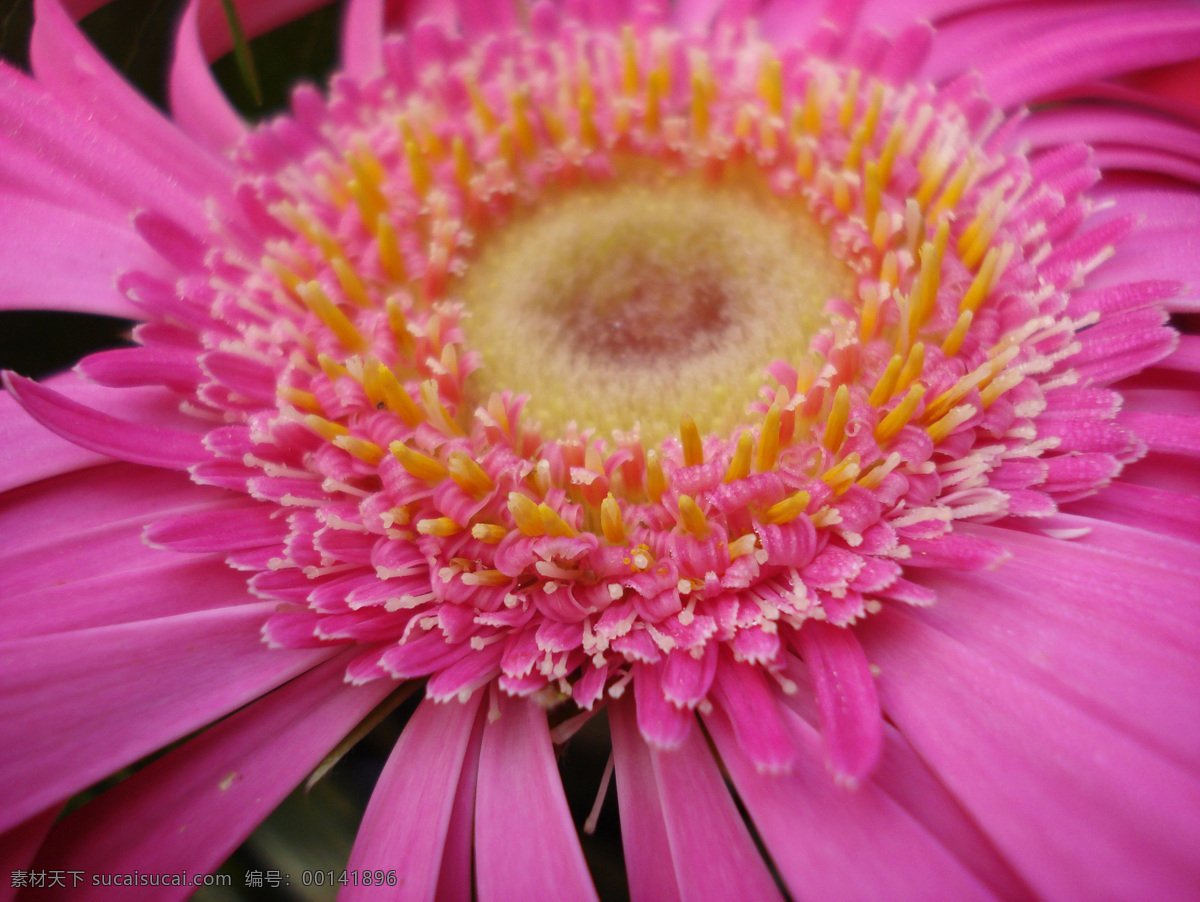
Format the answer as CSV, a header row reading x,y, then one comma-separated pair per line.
x,y
438,526
955,187
361,448
331,368
739,466
489,533
327,429
768,439
350,283
881,231
700,102
850,103
367,198
999,386
299,398
419,465
469,476
874,477
841,475
418,167
487,119
770,84
981,287
397,398
954,339
555,524
742,546
889,269
812,107
630,77
389,250
900,414
316,300
611,521
806,159
887,157
689,436
485,578
886,386
839,413
314,232
365,164
912,367
436,411
522,127
656,479
872,192
656,90
526,514
874,108
946,424
788,509
869,317
692,517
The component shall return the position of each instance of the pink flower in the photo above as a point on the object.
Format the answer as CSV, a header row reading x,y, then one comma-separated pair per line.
x,y
792,387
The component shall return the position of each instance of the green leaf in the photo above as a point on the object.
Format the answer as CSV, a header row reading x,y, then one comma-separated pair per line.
x,y
241,51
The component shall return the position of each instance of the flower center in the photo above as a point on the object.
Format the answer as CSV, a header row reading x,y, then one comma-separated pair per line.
x,y
620,305
579,356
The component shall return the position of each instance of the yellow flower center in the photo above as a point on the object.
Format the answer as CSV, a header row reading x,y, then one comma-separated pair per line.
x,y
618,305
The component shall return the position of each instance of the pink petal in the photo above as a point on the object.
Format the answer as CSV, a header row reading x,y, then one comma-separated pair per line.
x,y
743,692
66,62
1081,809
154,446
31,453
75,276
715,858
198,105
191,808
142,585
362,38
87,703
1097,645
411,807
1142,507
525,842
19,845
817,832
1166,432
908,780
662,722
851,724
455,881
648,861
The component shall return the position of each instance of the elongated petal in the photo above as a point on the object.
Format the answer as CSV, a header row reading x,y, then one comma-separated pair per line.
x,y
154,446
714,856
1076,823
19,845
191,808
405,825
198,105
648,861
816,831
851,724
87,703
32,453
65,61
519,784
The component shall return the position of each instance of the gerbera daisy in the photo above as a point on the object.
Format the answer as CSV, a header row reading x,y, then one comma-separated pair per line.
x,y
791,387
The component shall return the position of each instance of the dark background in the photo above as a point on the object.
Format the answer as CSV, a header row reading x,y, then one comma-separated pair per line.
x,y
310,830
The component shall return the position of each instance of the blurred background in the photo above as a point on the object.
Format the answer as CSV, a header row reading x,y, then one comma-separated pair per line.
x,y
312,830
